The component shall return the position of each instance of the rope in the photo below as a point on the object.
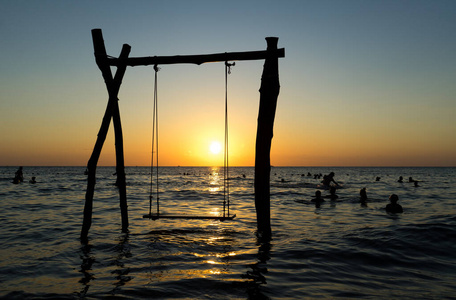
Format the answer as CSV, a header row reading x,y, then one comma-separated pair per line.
x,y
154,143
226,185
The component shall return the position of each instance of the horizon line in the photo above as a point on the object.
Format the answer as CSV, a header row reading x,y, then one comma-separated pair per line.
x,y
178,166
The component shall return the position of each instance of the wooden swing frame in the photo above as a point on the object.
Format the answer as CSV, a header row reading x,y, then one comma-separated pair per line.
x,y
269,92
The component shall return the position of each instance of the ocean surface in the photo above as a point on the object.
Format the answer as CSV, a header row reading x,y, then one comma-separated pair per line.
x,y
340,250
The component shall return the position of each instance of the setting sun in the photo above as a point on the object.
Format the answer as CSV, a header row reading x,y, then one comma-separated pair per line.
x,y
215,147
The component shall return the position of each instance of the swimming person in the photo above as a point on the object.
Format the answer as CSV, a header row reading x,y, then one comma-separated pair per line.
x,y
400,179
393,207
318,197
332,194
18,176
327,179
363,195
33,180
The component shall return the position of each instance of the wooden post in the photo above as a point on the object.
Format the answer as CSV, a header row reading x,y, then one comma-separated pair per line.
x,y
120,163
269,91
112,111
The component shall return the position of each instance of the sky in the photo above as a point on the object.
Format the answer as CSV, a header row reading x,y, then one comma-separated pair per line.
x,y
362,83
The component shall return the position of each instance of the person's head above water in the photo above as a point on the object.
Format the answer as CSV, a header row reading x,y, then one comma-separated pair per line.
x,y
393,198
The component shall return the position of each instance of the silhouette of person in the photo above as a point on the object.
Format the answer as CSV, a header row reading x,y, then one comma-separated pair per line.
x,y
32,180
393,206
318,198
332,194
400,179
18,176
411,179
363,195
416,183
327,179
377,178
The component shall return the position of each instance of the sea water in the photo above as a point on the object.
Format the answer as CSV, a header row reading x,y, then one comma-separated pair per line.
x,y
341,249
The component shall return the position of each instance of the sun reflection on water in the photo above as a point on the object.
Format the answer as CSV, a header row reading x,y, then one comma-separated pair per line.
x,y
214,190
215,180
218,255
215,211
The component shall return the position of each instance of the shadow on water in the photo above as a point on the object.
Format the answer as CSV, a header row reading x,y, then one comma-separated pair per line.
x,y
120,272
257,275
122,250
86,269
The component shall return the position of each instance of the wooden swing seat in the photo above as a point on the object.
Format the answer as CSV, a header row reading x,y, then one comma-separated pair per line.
x,y
189,217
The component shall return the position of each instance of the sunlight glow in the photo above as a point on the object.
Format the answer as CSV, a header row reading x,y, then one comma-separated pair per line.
x,y
215,147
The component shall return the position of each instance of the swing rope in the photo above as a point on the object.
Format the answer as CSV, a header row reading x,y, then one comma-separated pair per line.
x,y
154,147
226,187
226,182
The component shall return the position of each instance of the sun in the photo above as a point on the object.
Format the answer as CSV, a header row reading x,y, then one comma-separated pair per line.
x,y
215,147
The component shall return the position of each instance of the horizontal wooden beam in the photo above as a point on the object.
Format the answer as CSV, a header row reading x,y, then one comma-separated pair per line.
x,y
194,59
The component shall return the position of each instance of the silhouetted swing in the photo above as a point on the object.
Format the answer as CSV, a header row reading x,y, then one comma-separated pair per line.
x,y
269,92
226,195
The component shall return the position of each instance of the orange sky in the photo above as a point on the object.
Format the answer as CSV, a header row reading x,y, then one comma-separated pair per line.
x,y
369,85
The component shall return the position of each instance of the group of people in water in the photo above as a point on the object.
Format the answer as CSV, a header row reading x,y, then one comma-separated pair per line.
x,y
392,207
401,180
19,177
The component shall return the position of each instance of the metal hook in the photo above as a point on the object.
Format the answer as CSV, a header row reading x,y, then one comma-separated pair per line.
x,y
228,65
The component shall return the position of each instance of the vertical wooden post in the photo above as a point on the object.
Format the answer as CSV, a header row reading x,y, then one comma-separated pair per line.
x,y
269,91
120,164
112,111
